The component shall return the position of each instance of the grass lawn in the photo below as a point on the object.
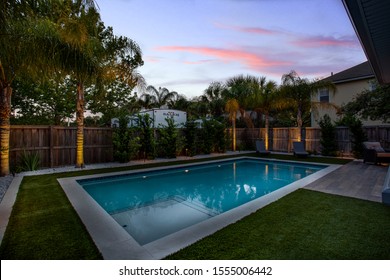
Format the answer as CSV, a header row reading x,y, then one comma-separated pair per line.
x,y
303,225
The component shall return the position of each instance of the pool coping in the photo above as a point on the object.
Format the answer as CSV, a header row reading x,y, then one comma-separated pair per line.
x,y
115,243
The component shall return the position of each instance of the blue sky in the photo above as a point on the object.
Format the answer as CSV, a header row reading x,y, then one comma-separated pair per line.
x,y
187,44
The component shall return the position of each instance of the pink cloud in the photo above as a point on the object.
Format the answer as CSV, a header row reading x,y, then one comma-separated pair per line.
x,y
327,41
203,61
253,30
251,60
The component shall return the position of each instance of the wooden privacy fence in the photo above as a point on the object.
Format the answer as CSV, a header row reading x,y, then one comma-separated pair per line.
x,y
280,139
56,145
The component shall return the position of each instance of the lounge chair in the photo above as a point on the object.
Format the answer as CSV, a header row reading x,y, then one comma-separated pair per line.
x,y
299,149
374,153
260,148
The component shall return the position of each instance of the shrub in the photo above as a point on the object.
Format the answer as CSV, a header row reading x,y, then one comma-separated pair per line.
x,y
207,136
358,135
328,137
168,142
28,161
220,137
120,141
147,140
246,141
190,135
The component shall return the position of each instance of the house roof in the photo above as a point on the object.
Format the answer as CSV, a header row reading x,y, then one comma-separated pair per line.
x,y
358,72
371,21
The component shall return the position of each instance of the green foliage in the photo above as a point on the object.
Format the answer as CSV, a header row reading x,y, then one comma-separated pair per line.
x,y
111,99
190,135
169,140
246,142
134,145
49,102
372,105
220,137
126,141
120,139
28,161
147,140
206,136
358,135
328,136
212,137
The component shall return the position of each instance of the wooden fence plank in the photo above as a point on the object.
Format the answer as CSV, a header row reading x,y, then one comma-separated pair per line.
x,y
56,145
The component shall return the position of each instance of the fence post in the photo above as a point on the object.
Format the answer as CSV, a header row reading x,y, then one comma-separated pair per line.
x,y
289,140
51,146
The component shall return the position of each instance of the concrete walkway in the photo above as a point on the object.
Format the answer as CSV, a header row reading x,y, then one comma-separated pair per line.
x,y
355,179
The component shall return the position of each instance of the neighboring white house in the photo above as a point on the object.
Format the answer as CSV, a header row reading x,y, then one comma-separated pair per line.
x,y
158,116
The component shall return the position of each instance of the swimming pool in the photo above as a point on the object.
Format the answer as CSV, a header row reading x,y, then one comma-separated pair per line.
x,y
112,236
154,204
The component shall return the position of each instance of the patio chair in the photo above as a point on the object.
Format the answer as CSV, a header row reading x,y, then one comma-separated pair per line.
x,y
260,148
374,153
299,149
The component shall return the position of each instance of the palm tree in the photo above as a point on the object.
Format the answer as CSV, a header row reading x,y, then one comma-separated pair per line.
x,y
262,100
240,88
96,55
41,37
232,108
214,96
179,102
28,45
80,56
297,92
158,97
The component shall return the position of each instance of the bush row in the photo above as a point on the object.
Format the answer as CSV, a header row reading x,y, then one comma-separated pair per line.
x,y
145,142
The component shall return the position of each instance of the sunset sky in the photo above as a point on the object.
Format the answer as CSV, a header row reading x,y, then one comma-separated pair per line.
x,y
187,44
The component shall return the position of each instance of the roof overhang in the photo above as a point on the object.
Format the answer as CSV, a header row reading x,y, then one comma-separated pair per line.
x,y
371,20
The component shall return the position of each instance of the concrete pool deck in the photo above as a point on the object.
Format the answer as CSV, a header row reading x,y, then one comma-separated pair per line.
x,y
355,179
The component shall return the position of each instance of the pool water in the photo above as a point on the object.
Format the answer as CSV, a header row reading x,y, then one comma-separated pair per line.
x,y
151,205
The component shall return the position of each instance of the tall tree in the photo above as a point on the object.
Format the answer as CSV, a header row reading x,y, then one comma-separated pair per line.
x,y
158,97
240,88
43,102
297,92
28,42
113,93
179,102
40,37
214,97
370,104
80,55
232,108
96,55
263,99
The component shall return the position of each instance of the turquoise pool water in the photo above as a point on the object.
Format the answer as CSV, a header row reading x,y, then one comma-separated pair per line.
x,y
151,205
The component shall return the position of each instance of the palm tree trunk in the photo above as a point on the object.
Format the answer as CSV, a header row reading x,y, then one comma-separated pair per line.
x,y
234,134
266,130
80,126
5,128
299,123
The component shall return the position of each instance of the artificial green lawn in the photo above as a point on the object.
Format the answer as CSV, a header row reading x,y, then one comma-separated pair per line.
x,y
303,225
